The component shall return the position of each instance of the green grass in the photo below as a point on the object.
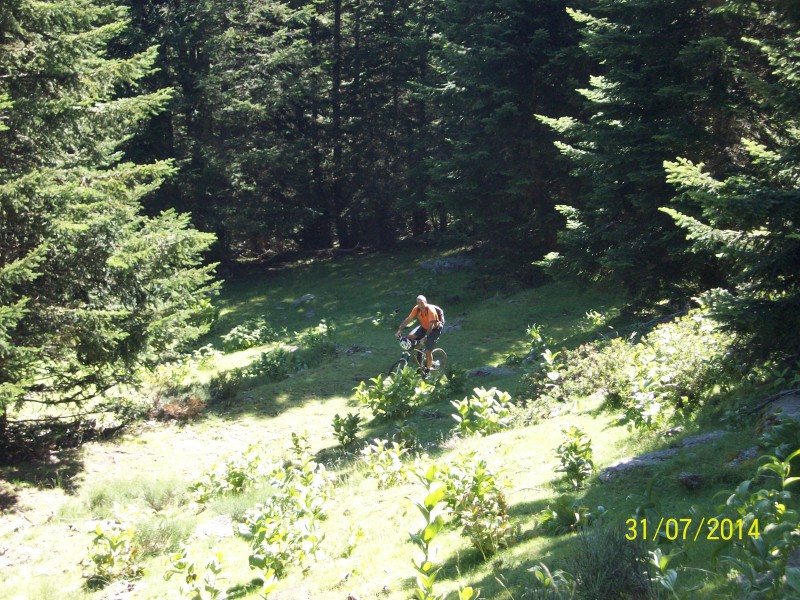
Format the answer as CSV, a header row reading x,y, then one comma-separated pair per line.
x,y
153,466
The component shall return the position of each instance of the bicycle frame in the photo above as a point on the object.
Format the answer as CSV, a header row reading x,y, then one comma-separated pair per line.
x,y
417,354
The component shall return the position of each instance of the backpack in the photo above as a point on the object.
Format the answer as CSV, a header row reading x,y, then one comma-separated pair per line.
x,y
440,313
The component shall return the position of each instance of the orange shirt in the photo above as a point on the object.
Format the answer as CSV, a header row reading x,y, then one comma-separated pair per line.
x,y
426,316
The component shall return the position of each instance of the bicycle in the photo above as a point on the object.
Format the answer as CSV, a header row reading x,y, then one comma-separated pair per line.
x,y
417,354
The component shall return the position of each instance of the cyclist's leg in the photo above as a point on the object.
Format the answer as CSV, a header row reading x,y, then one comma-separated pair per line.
x,y
417,336
430,344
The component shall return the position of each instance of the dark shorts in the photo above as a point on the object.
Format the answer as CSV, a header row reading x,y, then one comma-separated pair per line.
x,y
433,336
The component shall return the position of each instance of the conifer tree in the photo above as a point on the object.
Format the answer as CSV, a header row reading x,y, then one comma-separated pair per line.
x,y
89,286
749,216
315,120
660,88
500,62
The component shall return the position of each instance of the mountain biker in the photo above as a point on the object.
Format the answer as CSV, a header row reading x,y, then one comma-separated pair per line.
x,y
429,328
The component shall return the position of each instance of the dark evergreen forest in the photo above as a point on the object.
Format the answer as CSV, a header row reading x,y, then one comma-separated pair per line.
x,y
650,144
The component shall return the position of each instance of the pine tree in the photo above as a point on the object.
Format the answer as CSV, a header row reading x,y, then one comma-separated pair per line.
x,y
89,286
315,120
500,63
185,129
749,216
660,88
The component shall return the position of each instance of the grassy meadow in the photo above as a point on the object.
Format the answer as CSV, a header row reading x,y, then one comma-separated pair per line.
x,y
145,473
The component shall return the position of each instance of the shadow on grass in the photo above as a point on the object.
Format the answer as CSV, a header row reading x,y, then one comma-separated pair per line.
x,y
503,580
243,590
59,470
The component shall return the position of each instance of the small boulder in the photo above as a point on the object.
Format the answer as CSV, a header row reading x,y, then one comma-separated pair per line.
x,y
303,299
690,481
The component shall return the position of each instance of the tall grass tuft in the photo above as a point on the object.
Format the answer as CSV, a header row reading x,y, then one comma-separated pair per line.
x,y
159,534
607,565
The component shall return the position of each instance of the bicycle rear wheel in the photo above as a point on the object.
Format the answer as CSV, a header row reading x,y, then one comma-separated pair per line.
x,y
438,365
397,367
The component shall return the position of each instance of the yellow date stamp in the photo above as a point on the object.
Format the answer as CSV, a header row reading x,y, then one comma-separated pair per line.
x,y
713,529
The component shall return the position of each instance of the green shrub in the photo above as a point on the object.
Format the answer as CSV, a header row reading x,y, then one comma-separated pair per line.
x,y
781,437
113,555
668,372
478,502
346,429
205,357
558,585
431,510
484,413
575,456
538,341
273,365
405,434
565,516
284,531
354,536
252,333
393,396
196,583
317,342
764,517
231,477
226,385
168,378
384,461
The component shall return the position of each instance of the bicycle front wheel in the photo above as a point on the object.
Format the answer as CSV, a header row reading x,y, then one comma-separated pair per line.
x,y
397,367
438,365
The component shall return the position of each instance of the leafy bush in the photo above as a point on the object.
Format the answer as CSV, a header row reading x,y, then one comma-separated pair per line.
x,y
595,318
284,530
669,371
405,434
205,357
168,378
484,413
431,509
478,501
318,342
278,363
354,536
781,437
231,477
393,396
385,462
565,516
274,364
252,333
196,583
545,585
538,341
226,385
575,456
346,429
765,511
113,555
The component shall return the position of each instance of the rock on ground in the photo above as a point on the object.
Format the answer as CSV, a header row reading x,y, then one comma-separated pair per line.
x,y
653,458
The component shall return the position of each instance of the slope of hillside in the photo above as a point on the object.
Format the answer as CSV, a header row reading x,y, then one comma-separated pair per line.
x,y
338,316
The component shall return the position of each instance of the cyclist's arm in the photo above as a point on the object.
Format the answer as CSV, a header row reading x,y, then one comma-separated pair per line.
x,y
407,320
